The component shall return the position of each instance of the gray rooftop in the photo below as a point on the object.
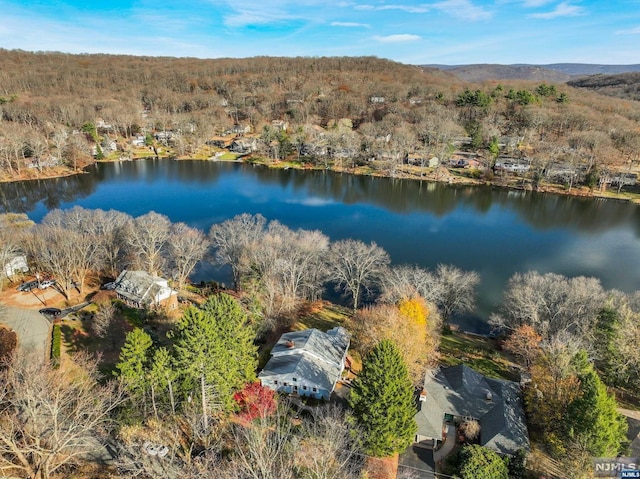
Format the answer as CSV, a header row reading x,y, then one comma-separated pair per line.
x,y
139,286
310,355
461,391
329,346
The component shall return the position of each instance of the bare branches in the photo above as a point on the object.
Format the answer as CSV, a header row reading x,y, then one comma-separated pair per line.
x,y
357,266
551,304
51,418
187,246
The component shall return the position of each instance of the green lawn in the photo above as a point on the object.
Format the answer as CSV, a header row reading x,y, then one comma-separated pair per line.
x,y
325,317
478,353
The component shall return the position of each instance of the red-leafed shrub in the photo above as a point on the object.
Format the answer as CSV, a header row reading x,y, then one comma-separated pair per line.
x,y
255,401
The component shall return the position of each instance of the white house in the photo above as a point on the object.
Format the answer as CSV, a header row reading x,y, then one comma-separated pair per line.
x,y
142,290
16,265
307,363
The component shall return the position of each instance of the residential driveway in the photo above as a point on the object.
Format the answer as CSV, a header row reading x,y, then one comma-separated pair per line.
x,y
417,461
31,327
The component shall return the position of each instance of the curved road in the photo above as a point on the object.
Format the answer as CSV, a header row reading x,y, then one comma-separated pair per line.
x,y
32,328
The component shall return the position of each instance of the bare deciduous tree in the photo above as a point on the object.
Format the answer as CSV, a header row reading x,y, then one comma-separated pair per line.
x,y
187,246
110,228
264,449
551,304
328,448
231,239
404,282
457,290
289,266
357,266
51,419
103,318
148,238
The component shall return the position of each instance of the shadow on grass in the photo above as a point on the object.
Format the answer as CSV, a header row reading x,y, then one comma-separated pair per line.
x,y
322,315
78,338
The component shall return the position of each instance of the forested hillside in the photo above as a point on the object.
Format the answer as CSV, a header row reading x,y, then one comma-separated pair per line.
x,y
62,111
623,85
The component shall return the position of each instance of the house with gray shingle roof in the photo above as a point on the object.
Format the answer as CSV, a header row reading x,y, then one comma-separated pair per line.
x,y
307,363
139,289
459,393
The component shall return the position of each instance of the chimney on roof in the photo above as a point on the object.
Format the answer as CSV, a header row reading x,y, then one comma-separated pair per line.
x,y
488,396
290,343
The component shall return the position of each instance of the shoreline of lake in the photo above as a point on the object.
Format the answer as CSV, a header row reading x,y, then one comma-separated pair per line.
x,y
447,178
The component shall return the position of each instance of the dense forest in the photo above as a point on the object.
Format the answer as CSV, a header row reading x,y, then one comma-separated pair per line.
x,y
61,110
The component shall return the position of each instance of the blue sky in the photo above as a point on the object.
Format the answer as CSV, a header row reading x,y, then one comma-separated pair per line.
x,y
415,32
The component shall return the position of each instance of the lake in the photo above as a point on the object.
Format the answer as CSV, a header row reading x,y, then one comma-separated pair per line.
x,y
493,231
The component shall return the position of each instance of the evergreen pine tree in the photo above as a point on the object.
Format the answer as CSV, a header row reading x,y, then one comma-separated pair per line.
x,y
214,351
383,402
477,462
592,418
162,377
134,359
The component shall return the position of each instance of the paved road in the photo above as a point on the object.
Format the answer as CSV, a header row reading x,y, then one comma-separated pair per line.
x,y
32,328
417,461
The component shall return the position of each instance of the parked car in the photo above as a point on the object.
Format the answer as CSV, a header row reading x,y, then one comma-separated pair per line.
x,y
50,312
46,283
28,286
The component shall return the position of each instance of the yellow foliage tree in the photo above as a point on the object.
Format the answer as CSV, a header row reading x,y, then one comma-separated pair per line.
x,y
406,325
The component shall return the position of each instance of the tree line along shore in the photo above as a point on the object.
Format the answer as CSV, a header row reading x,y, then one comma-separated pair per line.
x,y
366,115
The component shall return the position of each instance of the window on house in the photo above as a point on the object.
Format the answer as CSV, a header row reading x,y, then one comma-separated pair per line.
x,y
285,384
295,379
275,382
295,388
315,390
304,388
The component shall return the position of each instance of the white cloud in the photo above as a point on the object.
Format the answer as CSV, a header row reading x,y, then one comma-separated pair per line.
x,y
256,17
399,38
463,9
404,8
630,31
350,24
564,9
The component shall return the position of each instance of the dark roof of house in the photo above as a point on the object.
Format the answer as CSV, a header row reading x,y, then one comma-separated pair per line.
x,y
461,391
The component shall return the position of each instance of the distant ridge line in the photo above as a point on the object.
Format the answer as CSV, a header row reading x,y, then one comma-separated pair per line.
x,y
555,72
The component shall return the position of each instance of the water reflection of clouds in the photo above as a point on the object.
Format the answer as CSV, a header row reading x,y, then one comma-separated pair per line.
x,y
614,257
313,201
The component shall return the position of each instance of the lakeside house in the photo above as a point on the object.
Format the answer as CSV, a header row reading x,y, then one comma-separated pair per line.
x,y
16,265
139,289
307,363
459,393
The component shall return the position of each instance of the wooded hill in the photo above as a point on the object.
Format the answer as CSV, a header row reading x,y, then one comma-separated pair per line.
x,y
554,72
65,109
623,85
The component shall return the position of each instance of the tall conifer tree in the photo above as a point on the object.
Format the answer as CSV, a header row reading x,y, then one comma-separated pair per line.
x,y
383,402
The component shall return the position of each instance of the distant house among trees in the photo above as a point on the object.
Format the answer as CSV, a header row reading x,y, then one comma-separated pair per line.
x,y
458,393
308,363
15,266
142,290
